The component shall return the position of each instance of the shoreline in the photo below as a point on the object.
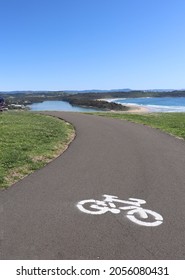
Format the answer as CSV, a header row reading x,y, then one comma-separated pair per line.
x,y
131,108
138,109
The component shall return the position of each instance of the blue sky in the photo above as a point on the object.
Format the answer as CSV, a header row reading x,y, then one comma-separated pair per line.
x,y
92,44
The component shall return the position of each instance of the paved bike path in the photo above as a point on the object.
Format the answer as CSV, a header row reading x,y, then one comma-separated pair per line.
x,y
39,218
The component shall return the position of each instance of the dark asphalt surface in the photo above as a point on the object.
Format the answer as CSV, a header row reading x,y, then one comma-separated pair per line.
x,y
39,218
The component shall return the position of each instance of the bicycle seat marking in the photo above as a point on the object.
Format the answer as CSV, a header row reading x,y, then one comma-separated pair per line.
x,y
135,213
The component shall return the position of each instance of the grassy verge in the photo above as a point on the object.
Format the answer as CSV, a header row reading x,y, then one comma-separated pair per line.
x,y
172,123
27,142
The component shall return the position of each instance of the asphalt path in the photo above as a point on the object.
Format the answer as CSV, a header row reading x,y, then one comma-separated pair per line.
x,y
39,217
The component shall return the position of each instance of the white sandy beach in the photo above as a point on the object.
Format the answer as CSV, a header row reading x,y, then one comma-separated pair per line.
x,y
132,108
137,109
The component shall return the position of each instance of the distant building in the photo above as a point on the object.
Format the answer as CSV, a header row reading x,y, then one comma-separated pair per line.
x,y
16,106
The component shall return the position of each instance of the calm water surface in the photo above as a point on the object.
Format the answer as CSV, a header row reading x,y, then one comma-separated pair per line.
x,y
58,106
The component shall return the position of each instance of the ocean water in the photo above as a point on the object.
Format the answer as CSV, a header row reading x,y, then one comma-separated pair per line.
x,y
155,104
58,106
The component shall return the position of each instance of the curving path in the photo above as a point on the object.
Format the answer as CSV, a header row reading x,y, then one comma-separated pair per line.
x,y
39,217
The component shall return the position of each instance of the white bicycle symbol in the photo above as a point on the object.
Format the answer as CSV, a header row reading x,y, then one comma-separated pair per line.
x,y
135,214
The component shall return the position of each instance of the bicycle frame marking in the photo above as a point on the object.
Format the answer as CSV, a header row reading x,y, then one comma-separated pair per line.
x,y
135,212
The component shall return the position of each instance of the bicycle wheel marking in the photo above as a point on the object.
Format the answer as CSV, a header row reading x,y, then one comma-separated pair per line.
x,y
133,209
95,208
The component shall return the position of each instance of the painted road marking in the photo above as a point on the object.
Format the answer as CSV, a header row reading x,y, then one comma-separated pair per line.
x,y
135,213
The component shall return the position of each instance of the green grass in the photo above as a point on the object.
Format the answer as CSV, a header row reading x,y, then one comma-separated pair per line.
x,y
172,123
28,141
